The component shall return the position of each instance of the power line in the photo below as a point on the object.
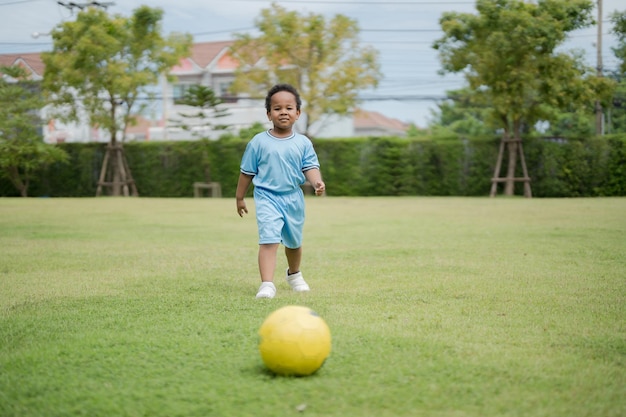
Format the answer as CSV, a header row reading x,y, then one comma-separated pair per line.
x,y
388,97
71,5
25,43
361,3
403,98
400,30
9,3
217,32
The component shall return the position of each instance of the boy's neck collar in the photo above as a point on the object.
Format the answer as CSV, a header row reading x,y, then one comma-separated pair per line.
x,y
289,136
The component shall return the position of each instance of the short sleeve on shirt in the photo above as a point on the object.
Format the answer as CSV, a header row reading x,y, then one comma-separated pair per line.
x,y
249,161
309,159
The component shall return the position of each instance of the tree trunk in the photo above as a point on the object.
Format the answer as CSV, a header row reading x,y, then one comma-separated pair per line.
x,y
509,185
24,188
16,180
514,148
115,173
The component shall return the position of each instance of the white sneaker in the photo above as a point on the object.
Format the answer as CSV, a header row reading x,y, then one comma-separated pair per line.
x,y
266,290
297,282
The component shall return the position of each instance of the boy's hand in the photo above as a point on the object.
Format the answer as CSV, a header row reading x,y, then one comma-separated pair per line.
x,y
320,187
241,207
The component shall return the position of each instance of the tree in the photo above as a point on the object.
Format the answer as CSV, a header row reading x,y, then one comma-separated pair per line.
x,y
508,53
208,104
99,68
460,116
322,59
22,150
618,19
578,123
617,113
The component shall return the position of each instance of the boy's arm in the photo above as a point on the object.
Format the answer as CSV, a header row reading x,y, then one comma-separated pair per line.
x,y
314,176
242,188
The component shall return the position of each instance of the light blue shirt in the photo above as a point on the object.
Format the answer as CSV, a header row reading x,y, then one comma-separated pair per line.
x,y
278,164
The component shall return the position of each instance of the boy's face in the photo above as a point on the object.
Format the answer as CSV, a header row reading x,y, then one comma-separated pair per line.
x,y
283,111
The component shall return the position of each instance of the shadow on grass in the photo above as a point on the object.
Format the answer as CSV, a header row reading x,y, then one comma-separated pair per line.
x,y
263,372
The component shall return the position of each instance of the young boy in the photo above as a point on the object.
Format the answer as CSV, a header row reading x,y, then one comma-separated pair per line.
x,y
278,162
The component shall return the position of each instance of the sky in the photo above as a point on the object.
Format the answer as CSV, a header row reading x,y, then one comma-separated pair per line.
x,y
403,32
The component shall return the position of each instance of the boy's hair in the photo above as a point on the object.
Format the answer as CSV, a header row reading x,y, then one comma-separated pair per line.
x,y
277,89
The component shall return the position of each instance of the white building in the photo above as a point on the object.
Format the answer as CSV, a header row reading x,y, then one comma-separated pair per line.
x,y
211,65
53,130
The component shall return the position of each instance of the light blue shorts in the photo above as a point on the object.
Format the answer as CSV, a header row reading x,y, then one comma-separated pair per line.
x,y
279,217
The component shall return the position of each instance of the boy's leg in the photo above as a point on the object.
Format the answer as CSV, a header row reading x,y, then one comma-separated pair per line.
x,y
294,276
267,265
292,238
267,261
294,257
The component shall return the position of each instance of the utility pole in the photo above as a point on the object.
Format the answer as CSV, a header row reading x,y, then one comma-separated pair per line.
x,y
599,115
80,6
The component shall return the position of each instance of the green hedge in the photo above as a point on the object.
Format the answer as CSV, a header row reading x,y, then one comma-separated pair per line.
x,y
355,167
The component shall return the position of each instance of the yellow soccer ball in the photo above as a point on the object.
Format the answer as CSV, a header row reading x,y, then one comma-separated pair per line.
x,y
294,340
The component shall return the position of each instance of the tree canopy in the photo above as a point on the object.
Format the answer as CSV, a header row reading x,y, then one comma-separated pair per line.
x,y
508,54
460,116
321,58
22,150
101,64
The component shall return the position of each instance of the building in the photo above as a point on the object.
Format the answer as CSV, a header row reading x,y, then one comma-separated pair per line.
x,y
210,64
370,123
53,131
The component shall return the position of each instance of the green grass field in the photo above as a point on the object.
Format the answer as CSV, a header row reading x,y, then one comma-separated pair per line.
x,y
437,307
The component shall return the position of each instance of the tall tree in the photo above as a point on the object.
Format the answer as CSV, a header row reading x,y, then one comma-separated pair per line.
x,y
98,69
207,107
617,114
508,53
22,150
618,19
460,116
321,58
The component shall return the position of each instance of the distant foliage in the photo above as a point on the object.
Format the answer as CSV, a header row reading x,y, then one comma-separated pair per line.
x,y
205,106
23,153
323,58
357,167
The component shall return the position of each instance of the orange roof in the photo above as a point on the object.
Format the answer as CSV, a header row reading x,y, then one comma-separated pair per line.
x,y
227,62
371,119
31,61
142,125
204,53
184,65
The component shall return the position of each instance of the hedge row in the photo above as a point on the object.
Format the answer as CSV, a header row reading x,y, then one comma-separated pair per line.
x,y
354,167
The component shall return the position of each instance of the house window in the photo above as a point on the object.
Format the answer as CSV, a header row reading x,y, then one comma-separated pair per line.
x,y
223,90
180,90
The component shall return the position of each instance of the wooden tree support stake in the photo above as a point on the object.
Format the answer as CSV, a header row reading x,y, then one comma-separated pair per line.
x,y
515,148
118,178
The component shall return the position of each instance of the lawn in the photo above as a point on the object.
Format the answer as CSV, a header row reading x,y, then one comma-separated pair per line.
x,y
437,307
